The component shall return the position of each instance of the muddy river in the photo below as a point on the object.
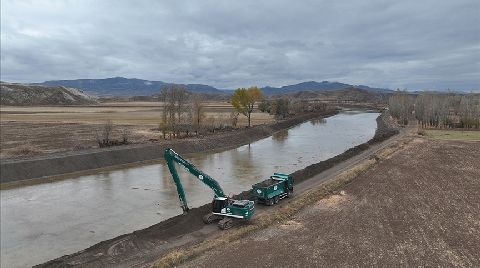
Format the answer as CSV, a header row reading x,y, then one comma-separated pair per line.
x,y
45,221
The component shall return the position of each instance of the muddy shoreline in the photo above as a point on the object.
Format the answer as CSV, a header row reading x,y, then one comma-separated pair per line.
x,y
128,247
15,170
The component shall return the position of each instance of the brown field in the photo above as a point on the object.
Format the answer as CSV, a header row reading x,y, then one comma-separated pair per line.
x,y
417,207
130,113
46,129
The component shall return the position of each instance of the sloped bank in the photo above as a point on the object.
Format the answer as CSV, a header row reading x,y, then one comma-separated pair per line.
x,y
142,244
63,163
386,128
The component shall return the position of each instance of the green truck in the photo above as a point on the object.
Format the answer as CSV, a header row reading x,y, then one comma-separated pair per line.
x,y
277,187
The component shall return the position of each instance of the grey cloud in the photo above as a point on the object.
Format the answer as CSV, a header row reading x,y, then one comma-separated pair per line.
x,y
414,44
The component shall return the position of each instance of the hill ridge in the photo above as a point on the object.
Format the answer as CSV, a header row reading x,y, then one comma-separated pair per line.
x,y
121,86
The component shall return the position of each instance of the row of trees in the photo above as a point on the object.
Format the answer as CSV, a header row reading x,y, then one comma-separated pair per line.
x,y
244,100
282,107
401,106
182,112
439,110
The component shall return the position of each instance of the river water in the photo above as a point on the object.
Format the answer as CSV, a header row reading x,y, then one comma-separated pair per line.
x,y
44,221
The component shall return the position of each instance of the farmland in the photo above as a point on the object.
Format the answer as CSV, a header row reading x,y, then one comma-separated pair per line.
x,y
35,130
417,207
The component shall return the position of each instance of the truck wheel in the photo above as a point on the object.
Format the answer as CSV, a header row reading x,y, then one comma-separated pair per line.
x,y
269,202
276,199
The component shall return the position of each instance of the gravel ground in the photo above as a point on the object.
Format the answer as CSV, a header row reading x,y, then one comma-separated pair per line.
x,y
419,207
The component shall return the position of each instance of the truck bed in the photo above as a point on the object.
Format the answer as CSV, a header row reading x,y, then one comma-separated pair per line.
x,y
266,183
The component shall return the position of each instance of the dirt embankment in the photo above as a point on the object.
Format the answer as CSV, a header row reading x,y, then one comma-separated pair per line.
x,y
63,163
127,248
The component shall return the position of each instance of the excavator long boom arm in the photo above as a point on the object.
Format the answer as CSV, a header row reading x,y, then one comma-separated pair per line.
x,y
171,157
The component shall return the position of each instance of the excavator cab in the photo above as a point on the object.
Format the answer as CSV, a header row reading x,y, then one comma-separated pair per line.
x,y
218,204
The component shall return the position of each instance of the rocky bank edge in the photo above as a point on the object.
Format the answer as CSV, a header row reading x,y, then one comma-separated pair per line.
x,y
12,170
142,240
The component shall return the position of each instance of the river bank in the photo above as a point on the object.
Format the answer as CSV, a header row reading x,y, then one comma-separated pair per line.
x,y
38,168
177,231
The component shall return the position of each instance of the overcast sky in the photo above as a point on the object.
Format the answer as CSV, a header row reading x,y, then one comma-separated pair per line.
x,y
418,44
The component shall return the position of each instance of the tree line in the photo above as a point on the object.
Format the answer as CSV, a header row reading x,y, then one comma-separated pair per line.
x,y
437,110
183,113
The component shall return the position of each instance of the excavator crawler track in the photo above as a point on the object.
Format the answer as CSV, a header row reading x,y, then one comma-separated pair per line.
x,y
225,223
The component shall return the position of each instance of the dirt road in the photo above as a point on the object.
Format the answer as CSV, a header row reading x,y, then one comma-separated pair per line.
x,y
419,207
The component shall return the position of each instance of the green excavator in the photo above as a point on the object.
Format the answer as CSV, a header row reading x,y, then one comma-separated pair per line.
x,y
224,209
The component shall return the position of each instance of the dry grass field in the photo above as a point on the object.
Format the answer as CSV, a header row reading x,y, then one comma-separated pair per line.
x,y
45,129
453,134
131,113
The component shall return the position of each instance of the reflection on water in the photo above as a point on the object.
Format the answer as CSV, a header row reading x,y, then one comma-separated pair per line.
x,y
281,136
318,121
49,220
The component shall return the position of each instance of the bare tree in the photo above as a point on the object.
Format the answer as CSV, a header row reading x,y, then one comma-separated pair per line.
x,y
282,107
401,106
180,98
163,126
107,130
197,110
103,137
297,107
126,133
264,106
234,118
174,98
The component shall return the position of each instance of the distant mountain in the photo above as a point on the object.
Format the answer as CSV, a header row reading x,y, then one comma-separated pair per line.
x,y
315,86
25,94
120,86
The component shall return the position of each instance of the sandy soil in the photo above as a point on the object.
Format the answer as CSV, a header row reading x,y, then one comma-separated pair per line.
x,y
419,207
37,130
